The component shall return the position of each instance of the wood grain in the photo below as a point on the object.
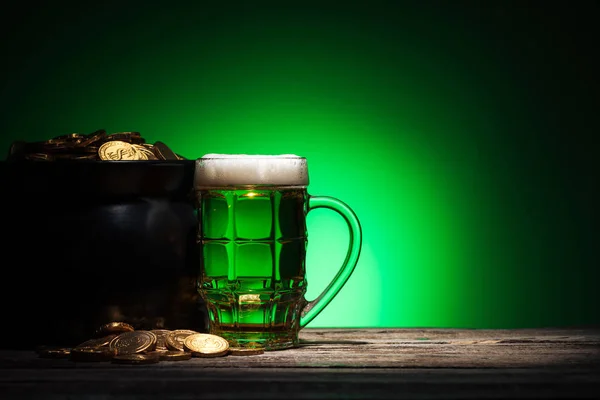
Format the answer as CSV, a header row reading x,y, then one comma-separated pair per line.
x,y
340,363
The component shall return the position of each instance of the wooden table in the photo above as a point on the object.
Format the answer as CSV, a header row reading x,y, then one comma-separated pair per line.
x,y
339,363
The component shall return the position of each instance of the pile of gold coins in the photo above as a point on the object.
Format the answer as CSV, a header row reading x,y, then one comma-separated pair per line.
x,y
120,343
95,146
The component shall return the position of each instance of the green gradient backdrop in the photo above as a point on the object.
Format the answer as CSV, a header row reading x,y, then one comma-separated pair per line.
x,y
444,128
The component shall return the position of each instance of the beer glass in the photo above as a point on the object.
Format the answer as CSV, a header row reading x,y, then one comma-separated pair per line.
x,y
252,238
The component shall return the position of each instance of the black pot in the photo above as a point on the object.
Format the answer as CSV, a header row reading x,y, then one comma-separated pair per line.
x,y
91,242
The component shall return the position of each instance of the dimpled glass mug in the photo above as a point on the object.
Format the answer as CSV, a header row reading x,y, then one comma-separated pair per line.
x,y
252,238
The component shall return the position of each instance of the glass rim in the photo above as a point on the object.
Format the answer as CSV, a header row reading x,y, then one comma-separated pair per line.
x,y
248,186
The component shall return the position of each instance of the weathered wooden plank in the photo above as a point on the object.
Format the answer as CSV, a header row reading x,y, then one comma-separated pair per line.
x,y
419,334
370,356
370,348
334,363
302,383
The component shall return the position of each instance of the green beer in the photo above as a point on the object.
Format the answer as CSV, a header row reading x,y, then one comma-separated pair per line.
x,y
253,239
253,252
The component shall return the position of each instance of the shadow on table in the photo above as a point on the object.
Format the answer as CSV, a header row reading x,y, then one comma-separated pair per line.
x,y
304,343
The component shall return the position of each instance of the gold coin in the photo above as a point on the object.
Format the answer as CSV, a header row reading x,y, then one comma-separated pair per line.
x,y
154,342
83,157
133,342
91,138
145,151
174,340
206,345
163,152
130,137
54,352
161,338
117,150
155,351
98,342
71,137
92,354
135,359
140,154
114,328
39,157
172,355
245,351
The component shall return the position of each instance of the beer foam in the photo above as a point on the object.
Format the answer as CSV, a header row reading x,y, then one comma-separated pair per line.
x,y
218,170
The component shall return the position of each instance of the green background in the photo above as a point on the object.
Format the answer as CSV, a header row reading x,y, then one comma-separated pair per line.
x,y
459,132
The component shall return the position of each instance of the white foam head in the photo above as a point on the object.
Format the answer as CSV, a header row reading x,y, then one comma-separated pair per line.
x,y
222,170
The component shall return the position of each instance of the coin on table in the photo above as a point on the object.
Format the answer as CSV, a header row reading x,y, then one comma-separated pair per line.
x,y
54,352
172,355
206,345
117,150
136,359
161,338
114,328
245,351
92,354
174,340
98,342
133,342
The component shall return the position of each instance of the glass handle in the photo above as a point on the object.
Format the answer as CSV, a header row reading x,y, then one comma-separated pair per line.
x,y
313,308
